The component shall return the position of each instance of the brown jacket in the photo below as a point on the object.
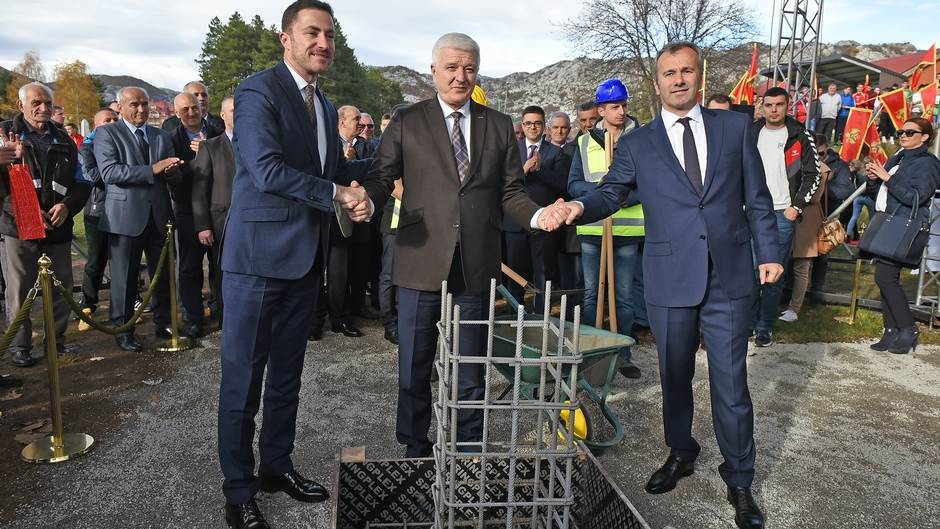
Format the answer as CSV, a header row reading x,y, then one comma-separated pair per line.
x,y
804,239
438,212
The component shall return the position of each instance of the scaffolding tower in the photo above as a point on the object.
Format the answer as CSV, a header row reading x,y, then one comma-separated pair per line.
x,y
797,45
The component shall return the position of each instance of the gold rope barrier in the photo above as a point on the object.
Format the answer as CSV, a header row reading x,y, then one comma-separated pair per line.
x,y
59,446
177,342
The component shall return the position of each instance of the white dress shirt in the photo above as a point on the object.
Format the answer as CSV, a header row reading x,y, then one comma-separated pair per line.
x,y
464,121
675,130
133,128
318,108
529,145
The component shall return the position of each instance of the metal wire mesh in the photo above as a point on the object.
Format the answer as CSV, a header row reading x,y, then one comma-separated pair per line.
x,y
519,473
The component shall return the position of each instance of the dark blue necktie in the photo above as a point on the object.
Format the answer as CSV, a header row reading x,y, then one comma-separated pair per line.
x,y
143,146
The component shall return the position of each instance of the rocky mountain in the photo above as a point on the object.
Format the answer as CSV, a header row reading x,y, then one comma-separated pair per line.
x,y
110,84
565,84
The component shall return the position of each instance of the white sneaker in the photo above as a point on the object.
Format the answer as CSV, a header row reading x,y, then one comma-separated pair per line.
x,y
788,316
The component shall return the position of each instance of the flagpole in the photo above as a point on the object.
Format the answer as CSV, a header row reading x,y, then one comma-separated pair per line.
x,y
704,78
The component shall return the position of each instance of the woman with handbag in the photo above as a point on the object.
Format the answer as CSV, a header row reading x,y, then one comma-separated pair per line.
x,y
909,179
806,236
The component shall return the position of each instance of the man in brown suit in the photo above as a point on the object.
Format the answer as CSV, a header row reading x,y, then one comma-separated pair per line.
x,y
213,170
460,163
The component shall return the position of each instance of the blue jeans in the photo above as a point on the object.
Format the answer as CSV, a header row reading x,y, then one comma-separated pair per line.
x,y
857,205
627,259
769,299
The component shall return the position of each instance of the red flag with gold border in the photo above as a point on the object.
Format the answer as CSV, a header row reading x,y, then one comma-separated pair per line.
x,y
856,132
894,103
928,64
928,100
873,141
743,91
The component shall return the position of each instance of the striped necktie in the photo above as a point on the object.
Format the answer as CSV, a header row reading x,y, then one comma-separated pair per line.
x,y
460,148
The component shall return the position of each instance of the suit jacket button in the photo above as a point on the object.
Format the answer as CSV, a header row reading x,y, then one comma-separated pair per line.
x,y
456,226
463,194
701,206
701,237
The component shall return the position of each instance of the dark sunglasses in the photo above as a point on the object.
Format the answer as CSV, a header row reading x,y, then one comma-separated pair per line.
x,y
909,132
369,126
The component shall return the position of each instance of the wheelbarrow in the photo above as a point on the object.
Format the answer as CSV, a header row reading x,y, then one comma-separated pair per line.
x,y
599,349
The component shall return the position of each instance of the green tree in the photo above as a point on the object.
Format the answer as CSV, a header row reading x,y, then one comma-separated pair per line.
x,y
234,50
30,69
76,91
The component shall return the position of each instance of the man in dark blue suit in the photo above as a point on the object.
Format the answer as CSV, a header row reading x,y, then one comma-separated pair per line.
x,y
289,164
534,255
694,170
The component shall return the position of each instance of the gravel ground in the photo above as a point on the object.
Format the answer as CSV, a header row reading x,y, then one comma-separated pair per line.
x,y
846,438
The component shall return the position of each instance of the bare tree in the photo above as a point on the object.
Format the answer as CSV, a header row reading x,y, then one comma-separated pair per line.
x,y
628,33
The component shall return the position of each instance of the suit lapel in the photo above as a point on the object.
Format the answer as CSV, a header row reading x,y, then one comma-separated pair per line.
x,y
298,108
713,134
134,158
477,137
662,146
440,136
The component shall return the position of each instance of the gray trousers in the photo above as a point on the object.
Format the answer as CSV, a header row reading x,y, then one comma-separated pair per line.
x,y
20,268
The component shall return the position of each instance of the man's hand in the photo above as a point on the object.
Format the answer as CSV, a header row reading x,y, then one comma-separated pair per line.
x,y
575,210
770,272
791,214
11,150
57,214
166,165
194,145
206,238
354,200
399,190
533,163
350,152
553,216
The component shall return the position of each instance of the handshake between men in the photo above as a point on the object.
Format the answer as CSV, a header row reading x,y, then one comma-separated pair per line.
x,y
355,201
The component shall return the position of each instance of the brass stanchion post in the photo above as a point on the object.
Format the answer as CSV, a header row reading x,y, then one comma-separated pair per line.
x,y
59,446
177,342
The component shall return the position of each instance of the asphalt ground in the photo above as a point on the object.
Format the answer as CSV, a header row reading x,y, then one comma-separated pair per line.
x,y
846,437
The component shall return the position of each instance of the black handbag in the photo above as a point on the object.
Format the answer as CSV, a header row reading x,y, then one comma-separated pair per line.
x,y
898,238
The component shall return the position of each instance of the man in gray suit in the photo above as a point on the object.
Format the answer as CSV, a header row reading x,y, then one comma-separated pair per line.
x,y
213,171
136,163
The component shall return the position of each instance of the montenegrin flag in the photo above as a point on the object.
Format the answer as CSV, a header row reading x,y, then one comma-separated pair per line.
x,y
895,104
743,92
928,100
873,141
856,133
928,65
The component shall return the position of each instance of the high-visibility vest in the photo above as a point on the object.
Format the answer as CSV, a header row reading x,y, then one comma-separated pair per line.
x,y
393,224
628,222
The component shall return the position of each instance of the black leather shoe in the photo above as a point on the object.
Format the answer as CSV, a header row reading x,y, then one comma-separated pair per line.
x,y
127,342
295,486
666,478
10,382
192,330
22,358
413,452
163,331
747,514
391,335
347,329
245,516
315,336
630,371
906,341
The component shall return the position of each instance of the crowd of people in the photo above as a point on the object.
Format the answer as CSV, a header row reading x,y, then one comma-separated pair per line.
x,y
419,221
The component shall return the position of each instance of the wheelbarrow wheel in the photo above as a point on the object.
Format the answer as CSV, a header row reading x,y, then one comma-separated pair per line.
x,y
583,427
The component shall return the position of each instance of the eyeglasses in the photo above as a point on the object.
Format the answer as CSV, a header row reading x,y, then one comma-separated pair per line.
x,y
532,123
369,126
909,132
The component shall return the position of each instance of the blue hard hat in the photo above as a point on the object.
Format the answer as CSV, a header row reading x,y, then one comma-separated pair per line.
x,y
611,91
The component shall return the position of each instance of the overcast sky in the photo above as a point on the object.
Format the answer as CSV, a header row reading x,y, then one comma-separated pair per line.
x,y
159,40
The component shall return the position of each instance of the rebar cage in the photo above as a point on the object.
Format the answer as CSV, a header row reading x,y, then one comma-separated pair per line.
x,y
520,473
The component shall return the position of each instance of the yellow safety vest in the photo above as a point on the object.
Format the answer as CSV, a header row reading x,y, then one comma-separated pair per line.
x,y
628,222
393,224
